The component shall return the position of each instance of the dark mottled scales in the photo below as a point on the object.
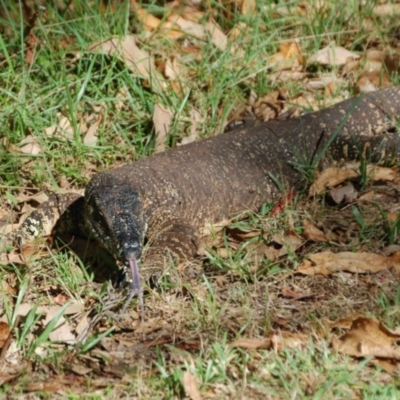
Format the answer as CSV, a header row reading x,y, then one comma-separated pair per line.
x,y
175,193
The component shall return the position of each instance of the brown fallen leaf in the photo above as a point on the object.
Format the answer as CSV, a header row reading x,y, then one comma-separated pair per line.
x,y
268,107
289,293
200,31
311,232
46,387
333,176
284,76
152,23
286,243
326,263
368,337
63,128
288,340
377,173
39,197
90,137
389,366
245,343
83,326
189,382
370,81
196,119
4,333
32,41
324,81
282,203
330,177
173,68
136,59
374,59
288,57
391,249
387,9
4,377
80,369
29,145
248,7
162,117
332,55
346,193
218,37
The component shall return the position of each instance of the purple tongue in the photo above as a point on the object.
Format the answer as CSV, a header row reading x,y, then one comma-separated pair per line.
x,y
134,287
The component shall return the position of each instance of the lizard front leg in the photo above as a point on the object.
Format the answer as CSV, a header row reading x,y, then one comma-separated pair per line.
x,y
174,240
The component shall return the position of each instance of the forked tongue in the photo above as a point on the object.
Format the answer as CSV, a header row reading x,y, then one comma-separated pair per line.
x,y
135,287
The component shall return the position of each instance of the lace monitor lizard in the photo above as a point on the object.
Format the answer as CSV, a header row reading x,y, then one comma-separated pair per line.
x,y
169,196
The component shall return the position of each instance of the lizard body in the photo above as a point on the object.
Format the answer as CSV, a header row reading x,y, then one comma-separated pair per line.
x,y
168,197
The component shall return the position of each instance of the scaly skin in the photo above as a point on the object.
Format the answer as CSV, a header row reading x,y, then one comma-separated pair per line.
x,y
169,196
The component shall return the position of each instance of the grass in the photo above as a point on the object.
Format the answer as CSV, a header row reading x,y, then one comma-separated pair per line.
x,y
192,321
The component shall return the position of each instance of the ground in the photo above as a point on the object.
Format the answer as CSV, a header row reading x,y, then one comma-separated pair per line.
x,y
265,310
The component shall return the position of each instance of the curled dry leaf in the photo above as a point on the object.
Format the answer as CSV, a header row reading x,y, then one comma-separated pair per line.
x,y
189,382
196,119
311,232
248,7
45,387
200,31
323,81
291,294
285,76
39,197
173,68
83,326
369,81
391,249
63,128
152,23
30,145
239,29
4,333
63,330
347,193
326,263
388,9
80,369
374,60
332,55
331,177
377,173
288,57
162,118
280,246
93,121
269,106
136,59
218,37
210,229
368,337
254,344
288,340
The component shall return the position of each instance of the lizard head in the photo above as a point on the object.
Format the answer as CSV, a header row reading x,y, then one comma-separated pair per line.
x,y
114,216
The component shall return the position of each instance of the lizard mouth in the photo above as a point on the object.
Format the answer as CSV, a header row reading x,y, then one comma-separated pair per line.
x,y
134,288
